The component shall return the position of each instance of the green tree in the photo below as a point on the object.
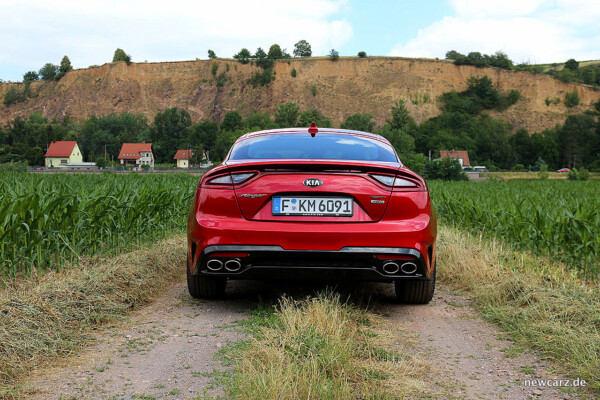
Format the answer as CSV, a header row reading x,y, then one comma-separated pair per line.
x,y
334,55
302,49
31,76
262,59
258,121
170,132
65,66
49,72
401,119
307,117
447,169
275,52
120,55
211,54
286,115
13,96
453,55
232,121
572,64
243,56
500,60
362,54
359,122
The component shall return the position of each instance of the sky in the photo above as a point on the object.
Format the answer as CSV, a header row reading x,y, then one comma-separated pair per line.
x,y
35,32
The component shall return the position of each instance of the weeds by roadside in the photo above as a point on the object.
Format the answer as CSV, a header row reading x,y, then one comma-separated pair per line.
x,y
51,316
541,306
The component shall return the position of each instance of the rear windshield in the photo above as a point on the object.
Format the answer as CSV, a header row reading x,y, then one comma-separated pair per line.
x,y
323,146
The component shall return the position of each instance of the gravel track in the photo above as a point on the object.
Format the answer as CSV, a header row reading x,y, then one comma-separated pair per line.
x,y
166,350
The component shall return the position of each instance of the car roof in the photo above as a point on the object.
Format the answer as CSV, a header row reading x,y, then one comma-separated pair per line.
x,y
321,131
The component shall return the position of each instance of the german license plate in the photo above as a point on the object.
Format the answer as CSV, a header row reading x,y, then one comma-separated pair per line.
x,y
317,206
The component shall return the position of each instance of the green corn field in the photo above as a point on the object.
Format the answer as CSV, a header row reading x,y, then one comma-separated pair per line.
x,y
557,219
49,220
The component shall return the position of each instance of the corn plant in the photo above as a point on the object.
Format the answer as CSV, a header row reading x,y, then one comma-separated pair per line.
x,y
49,220
558,219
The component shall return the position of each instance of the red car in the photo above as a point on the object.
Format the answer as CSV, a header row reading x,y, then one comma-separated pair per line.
x,y
564,170
315,204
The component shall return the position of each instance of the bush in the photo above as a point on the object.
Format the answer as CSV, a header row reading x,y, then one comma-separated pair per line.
x,y
120,55
446,169
49,72
578,175
572,99
362,54
334,55
262,78
293,72
314,90
518,168
18,166
243,56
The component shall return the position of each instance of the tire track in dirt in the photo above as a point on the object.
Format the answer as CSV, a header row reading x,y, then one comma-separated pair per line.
x,y
166,350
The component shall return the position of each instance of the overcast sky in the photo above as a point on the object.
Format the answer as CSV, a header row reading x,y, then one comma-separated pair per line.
x,y
34,32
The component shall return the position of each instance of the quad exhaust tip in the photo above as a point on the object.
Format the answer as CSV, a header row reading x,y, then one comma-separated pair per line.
x,y
214,265
391,268
409,268
233,265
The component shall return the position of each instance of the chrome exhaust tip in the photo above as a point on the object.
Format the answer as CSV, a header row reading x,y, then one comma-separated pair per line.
x,y
233,265
214,265
409,268
391,268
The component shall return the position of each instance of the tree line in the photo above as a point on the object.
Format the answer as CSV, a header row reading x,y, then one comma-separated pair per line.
x,y
570,71
462,125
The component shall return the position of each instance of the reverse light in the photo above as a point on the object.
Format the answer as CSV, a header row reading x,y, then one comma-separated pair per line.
x,y
231,179
394,181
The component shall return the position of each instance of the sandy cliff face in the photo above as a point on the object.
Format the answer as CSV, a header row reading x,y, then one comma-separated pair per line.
x,y
342,88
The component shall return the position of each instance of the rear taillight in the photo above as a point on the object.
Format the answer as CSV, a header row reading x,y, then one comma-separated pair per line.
x,y
394,181
230,180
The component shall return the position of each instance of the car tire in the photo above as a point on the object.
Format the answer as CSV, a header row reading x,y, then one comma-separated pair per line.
x,y
206,287
415,292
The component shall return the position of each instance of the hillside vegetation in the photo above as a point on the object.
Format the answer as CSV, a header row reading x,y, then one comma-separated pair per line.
x,y
207,90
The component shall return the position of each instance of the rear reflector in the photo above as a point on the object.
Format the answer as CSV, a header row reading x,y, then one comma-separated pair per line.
x,y
393,257
228,255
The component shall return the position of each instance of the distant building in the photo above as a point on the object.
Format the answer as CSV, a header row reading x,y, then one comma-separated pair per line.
x,y
136,155
183,158
61,153
461,155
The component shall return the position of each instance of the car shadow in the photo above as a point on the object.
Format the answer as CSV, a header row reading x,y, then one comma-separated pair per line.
x,y
364,295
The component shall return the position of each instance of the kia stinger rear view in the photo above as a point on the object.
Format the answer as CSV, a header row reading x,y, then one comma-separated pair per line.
x,y
314,204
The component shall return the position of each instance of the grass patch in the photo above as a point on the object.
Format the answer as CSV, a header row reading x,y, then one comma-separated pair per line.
x,y
541,305
50,316
318,348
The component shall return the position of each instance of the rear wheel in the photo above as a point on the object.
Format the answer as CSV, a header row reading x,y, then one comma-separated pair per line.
x,y
206,287
415,292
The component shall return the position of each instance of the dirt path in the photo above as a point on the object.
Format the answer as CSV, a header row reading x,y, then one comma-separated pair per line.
x,y
166,350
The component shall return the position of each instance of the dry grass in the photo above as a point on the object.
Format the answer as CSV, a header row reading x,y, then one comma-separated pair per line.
x,y
42,318
541,305
319,348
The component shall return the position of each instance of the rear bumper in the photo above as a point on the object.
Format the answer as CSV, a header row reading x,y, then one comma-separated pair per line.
x,y
348,263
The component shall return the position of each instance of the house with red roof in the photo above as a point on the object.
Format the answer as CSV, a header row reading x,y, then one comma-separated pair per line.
x,y
136,155
183,158
61,153
461,155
